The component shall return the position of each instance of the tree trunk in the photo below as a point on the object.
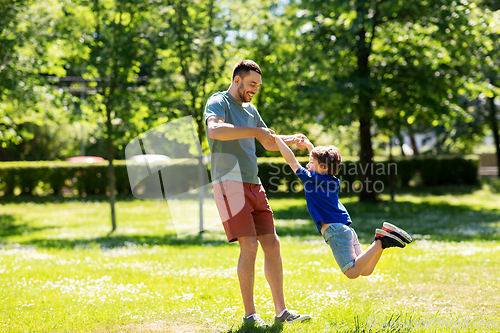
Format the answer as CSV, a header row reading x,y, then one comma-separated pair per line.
x,y
494,128
367,191
364,107
111,168
401,143
414,146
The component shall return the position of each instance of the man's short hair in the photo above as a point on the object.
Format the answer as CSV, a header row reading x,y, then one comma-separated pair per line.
x,y
243,67
328,156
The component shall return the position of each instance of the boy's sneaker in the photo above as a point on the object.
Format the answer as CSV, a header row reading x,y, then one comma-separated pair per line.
x,y
392,229
254,321
388,240
291,317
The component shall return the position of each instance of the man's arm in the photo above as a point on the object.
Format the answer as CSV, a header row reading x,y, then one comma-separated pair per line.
x,y
287,140
287,153
218,129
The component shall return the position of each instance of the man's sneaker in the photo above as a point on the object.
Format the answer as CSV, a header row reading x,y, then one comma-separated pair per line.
x,y
392,229
291,317
254,321
388,240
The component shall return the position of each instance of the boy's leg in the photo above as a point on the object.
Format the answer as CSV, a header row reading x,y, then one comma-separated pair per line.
x,y
366,261
371,266
273,269
246,271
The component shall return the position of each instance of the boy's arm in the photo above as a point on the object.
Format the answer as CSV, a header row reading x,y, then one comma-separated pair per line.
x,y
287,154
306,144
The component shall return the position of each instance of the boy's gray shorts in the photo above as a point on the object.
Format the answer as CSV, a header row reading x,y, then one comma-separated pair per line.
x,y
344,244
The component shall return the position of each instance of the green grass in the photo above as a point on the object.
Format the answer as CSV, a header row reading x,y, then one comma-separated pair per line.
x,y
61,270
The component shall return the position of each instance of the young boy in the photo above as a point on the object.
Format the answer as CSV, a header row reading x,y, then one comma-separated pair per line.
x,y
331,217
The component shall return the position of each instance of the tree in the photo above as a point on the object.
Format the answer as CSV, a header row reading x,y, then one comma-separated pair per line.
x,y
388,60
268,37
107,42
30,52
488,80
194,55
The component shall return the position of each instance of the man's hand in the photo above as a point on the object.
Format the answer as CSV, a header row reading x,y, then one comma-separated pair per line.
x,y
265,135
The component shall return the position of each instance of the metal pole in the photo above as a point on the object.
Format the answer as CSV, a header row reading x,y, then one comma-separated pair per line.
x,y
391,176
201,194
82,97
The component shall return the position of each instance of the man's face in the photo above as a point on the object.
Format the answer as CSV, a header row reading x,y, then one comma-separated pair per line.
x,y
248,86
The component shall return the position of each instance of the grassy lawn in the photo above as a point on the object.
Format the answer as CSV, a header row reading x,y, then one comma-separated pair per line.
x,y
60,270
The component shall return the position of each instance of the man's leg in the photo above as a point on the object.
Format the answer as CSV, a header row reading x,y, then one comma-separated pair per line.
x,y
246,271
273,269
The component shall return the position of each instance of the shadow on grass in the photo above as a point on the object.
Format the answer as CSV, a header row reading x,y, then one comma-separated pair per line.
x,y
429,220
275,328
115,241
434,221
416,191
9,226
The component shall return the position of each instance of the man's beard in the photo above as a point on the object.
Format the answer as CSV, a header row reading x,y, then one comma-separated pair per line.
x,y
243,95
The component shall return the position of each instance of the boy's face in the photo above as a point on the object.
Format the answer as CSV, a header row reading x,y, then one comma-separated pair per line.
x,y
315,166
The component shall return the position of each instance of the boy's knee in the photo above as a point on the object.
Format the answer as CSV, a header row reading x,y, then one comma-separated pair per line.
x,y
352,273
367,273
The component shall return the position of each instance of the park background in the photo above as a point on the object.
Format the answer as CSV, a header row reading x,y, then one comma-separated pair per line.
x,y
410,83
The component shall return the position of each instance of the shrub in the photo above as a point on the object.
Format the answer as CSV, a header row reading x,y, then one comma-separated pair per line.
x,y
274,174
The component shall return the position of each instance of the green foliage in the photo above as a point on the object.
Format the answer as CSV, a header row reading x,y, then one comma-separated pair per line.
x,y
405,67
275,175
30,52
399,65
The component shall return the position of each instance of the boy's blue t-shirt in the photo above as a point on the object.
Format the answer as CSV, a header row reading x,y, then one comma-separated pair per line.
x,y
322,196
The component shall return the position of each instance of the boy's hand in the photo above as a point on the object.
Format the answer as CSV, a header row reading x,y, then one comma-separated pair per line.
x,y
305,144
299,138
287,153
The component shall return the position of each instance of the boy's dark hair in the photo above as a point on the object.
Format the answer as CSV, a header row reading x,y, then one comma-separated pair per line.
x,y
243,67
328,156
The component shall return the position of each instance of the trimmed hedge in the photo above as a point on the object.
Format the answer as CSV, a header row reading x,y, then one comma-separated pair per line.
x,y
275,175
83,177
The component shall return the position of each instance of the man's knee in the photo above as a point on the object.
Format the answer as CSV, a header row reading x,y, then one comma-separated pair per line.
x,y
270,243
249,244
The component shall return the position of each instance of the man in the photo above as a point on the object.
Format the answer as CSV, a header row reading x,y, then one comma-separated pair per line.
x,y
233,124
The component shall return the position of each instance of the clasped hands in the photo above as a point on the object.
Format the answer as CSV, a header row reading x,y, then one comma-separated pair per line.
x,y
267,135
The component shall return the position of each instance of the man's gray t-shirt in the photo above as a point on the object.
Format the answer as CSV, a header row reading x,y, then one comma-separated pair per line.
x,y
233,112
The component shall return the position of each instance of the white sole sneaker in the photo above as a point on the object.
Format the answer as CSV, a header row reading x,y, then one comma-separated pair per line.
x,y
388,239
403,235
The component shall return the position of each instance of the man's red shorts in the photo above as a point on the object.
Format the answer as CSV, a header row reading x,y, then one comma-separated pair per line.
x,y
243,209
